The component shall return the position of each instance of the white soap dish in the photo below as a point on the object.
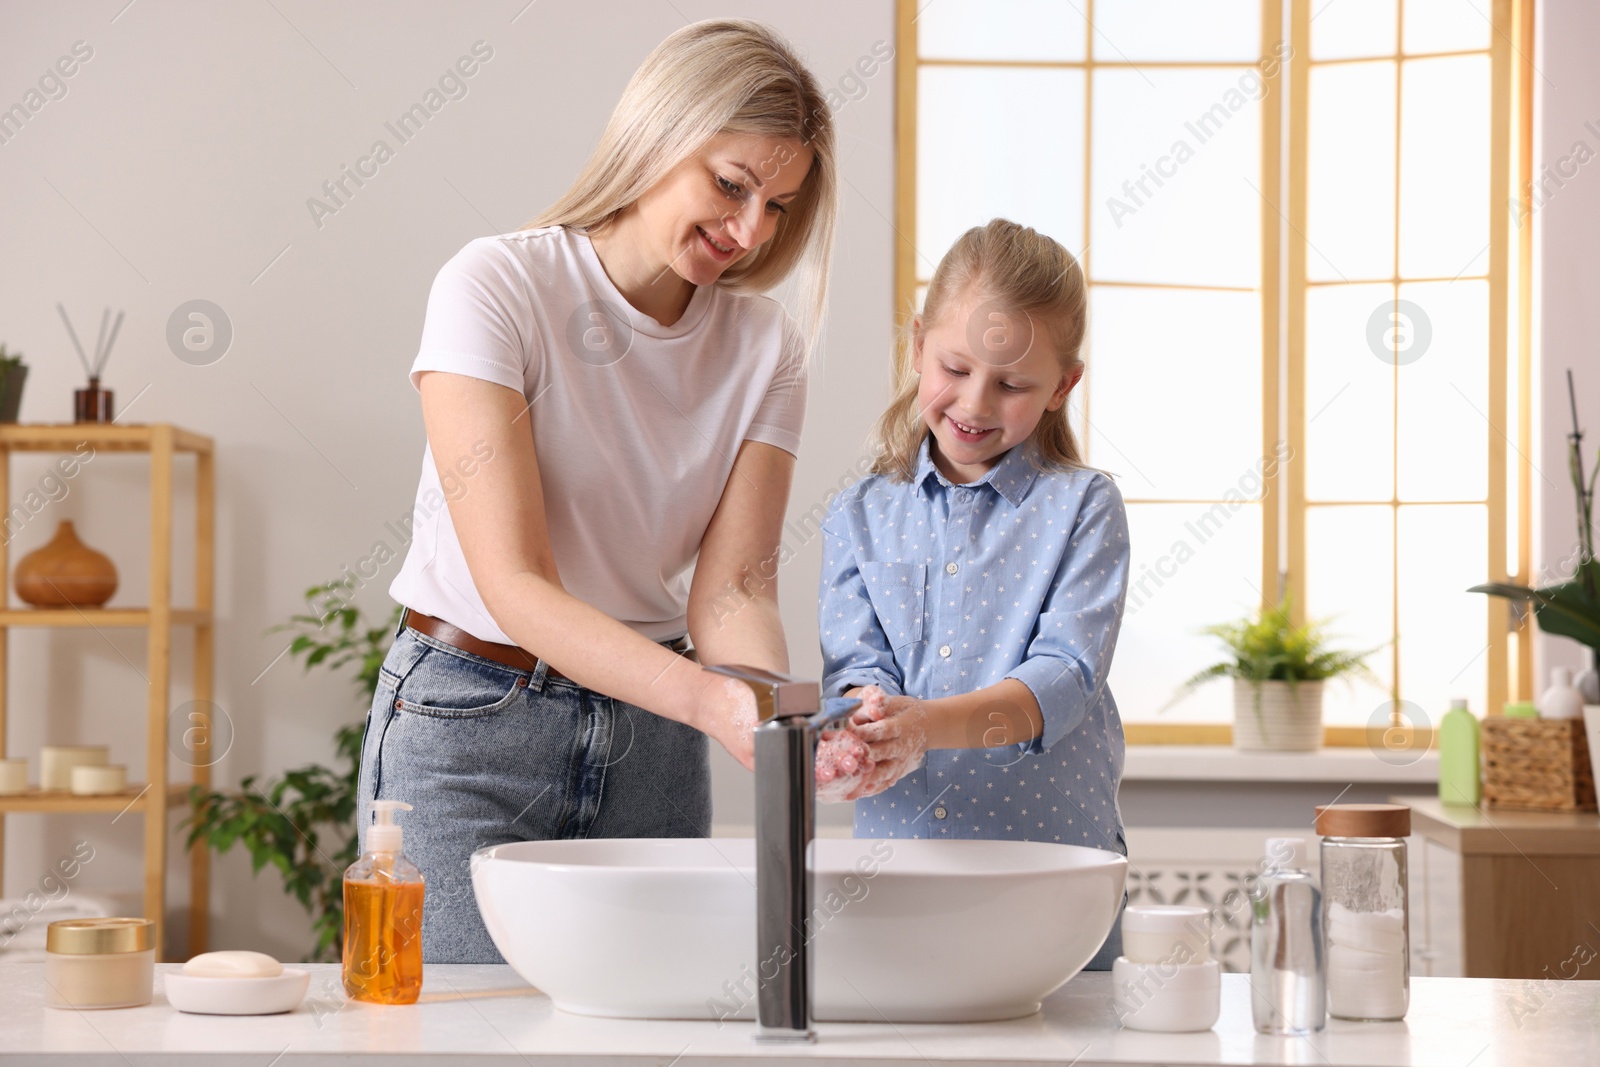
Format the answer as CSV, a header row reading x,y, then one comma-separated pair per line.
x,y
238,996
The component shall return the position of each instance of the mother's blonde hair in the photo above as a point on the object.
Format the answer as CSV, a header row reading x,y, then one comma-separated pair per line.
x,y
1006,266
720,75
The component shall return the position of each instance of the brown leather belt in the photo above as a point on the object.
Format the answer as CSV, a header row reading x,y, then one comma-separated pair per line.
x,y
513,656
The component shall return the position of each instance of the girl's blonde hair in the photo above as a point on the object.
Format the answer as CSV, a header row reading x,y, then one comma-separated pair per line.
x,y
711,77
1007,266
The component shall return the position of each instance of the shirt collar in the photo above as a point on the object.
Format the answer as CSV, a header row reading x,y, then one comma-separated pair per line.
x,y
1012,477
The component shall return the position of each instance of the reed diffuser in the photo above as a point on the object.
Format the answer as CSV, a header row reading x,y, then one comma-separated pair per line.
x,y
93,404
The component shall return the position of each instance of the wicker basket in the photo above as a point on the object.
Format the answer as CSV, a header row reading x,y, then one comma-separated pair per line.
x,y
1537,764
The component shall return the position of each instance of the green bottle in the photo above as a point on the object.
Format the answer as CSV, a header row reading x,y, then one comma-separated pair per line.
x,y
1459,781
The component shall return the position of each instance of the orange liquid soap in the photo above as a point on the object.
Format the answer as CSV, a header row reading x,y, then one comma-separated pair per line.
x,y
383,893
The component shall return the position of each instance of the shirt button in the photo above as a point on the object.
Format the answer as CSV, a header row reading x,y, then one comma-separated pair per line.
x,y
950,568
944,650
939,813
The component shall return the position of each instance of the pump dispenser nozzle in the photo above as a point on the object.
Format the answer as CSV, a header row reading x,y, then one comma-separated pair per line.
x,y
384,834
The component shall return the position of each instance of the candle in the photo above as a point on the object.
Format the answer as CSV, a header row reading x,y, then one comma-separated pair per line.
x,y
13,776
56,763
95,781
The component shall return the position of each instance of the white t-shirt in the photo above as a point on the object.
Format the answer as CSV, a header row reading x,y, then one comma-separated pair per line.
x,y
636,425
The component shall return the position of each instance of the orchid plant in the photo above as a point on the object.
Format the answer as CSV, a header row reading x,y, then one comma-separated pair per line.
x,y
1571,607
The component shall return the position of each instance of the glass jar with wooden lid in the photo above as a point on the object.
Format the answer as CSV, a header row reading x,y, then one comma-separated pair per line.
x,y
1365,910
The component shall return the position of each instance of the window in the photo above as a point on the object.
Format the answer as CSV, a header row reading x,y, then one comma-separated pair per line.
x,y
1307,361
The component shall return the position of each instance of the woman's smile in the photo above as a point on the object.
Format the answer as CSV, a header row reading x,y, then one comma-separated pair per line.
x,y
722,253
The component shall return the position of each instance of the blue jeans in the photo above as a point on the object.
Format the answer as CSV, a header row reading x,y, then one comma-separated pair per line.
x,y
487,754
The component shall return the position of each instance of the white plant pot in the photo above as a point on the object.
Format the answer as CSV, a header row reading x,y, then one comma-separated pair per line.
x,y
1290,721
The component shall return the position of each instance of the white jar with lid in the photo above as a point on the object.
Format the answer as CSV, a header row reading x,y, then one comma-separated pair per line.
x,y
99,963
1166,979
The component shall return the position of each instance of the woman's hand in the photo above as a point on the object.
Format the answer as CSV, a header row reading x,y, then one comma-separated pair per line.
x,y
895,731
726,712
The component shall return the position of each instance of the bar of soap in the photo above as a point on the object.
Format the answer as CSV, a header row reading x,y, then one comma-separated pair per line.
x,y
235,964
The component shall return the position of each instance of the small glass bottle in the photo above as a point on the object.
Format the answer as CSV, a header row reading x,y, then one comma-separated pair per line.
x,y
383,916
1287,994
1366,914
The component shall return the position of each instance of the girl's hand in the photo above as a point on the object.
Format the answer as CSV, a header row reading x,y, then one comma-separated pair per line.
x,y
842,764
727,714
872,700
895,730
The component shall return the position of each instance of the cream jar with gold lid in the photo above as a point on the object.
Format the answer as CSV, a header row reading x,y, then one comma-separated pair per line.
x,y
99,963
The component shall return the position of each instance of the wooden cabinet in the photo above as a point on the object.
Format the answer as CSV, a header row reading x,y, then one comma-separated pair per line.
x,y
1525,887
154,798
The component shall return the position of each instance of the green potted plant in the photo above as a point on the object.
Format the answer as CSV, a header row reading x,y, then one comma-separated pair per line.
x,y
1569,608
1277,670
304,822
13,372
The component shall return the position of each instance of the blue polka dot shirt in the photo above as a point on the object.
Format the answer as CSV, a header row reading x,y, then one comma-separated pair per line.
x,y
935,589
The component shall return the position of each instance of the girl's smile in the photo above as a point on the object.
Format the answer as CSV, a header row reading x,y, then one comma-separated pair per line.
x,y
968,434
987,377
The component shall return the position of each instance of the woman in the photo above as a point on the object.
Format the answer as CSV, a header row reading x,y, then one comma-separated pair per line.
x,y
610,405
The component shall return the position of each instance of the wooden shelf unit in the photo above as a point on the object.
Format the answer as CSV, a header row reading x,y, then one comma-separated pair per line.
x,y
137,797
162,442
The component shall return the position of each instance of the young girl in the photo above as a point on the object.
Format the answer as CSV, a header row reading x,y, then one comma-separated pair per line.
x,y
972,587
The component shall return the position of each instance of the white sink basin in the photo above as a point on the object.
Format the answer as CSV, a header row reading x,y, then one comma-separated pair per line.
x,y
904,931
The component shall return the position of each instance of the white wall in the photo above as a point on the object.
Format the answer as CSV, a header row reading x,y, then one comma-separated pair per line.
x,y
1567,236
178,166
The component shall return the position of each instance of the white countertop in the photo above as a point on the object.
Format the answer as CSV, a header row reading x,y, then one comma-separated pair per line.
x,y
488,1013
1223,763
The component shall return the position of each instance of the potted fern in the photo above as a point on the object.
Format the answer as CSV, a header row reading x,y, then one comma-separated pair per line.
x,y
1277,670
303,822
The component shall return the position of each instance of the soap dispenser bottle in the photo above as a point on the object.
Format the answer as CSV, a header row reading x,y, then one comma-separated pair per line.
x,y
1460,780
1288,973
383,916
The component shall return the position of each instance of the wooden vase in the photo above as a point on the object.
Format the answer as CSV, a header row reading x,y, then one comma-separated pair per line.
x,y
66,573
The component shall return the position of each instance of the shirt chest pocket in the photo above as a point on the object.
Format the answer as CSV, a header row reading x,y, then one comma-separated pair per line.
x,y
898,591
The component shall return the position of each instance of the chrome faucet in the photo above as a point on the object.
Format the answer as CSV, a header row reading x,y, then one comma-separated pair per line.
x,y
791,714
